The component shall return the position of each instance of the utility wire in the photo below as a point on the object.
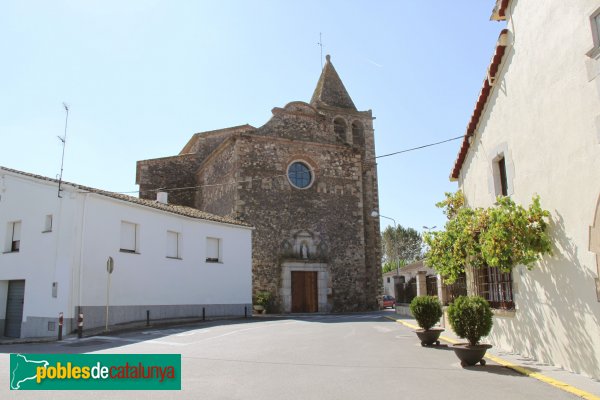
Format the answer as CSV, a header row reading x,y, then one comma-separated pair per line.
x,y
285,175
420,147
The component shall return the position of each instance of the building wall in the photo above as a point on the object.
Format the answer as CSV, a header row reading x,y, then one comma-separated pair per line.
x,y
86,231
166,173
217,181
543,115
180,171
332,217
331,211
149,277
43,258
388,284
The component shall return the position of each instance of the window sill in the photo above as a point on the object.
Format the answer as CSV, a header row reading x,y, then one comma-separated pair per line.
x,y
128,251
9,252
214,262
47,231
594,53
174,258
502,313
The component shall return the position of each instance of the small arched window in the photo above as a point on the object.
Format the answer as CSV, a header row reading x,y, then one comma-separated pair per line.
x,y
339,127
358,134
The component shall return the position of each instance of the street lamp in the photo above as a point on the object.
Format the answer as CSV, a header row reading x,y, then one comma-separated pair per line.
x,y
376,214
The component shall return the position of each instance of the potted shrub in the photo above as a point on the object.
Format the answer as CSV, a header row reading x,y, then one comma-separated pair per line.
x,y
427,310
261,303
471,318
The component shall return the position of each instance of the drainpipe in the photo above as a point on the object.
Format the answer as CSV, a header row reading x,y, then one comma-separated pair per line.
x,y
81,252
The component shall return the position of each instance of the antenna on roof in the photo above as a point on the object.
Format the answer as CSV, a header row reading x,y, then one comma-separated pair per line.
x,y
320,44
63,139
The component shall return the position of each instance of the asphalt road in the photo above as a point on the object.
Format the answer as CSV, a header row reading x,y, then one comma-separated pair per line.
x,y
362,356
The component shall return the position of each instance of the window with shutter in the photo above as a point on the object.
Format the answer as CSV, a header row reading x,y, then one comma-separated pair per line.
x,y
129,240
47,224
213,250
16,237
173,245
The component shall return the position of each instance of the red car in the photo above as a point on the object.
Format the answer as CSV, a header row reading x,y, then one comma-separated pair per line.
x,y
388,301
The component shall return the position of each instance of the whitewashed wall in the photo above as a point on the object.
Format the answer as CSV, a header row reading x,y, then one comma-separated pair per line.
x,y
150,277
86,231
543,114
43,258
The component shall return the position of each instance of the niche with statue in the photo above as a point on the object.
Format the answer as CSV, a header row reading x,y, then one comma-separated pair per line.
x,y
304,245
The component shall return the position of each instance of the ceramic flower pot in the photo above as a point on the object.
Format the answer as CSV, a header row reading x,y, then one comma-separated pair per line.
x,y
429,337
471,355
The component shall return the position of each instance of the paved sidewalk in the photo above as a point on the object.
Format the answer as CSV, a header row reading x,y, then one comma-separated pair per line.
x,y
576,384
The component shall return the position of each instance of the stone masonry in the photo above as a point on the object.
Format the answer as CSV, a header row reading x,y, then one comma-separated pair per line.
x,y
325,227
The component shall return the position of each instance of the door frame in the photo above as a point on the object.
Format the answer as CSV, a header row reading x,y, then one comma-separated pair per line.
x,y
323,283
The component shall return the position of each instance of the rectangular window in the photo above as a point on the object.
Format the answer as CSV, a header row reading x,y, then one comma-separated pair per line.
x,y
14,233
500,176
173,245
595,22
388,279
213,249
47,224
503,180
129,237
494,286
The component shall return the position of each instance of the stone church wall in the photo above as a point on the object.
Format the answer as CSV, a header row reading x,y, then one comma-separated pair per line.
x,y
330,211
217,181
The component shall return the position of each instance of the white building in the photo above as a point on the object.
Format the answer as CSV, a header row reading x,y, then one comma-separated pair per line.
x,y
170,260
389,279
536,130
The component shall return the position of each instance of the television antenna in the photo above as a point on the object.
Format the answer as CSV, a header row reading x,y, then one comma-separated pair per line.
x,y
63,139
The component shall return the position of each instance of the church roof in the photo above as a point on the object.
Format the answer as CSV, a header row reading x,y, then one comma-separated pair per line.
x,y
330,90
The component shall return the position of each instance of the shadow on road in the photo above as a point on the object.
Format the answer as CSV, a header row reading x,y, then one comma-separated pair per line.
x,y
118,338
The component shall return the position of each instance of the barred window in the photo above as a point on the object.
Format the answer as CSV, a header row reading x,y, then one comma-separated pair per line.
x,y
454,290
494,286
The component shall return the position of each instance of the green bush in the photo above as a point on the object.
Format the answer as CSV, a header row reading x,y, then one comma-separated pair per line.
x,y
471,318
427,310
263,298
504,235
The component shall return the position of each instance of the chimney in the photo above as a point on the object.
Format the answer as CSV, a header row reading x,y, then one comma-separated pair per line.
x,y
162,197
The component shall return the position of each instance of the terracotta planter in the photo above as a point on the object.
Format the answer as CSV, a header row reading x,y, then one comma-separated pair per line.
x,y
429,337
471,355
258,309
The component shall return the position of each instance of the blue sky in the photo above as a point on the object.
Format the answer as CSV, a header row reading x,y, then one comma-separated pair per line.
x,y
141,77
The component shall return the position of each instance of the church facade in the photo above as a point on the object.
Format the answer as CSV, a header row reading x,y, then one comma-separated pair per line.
x,y
307,182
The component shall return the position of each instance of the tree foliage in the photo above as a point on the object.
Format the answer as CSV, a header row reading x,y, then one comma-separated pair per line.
x,y
405,244
392,265
502,236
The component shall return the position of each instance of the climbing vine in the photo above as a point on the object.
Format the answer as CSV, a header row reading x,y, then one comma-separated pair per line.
x,y
502,236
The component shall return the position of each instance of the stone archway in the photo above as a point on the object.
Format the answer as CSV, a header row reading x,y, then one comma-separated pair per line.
x,y
595,244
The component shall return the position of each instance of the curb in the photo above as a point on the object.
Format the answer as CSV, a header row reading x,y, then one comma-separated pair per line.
x,y
123,328
520,369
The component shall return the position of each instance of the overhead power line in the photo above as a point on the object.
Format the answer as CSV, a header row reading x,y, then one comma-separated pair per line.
x,y
285,175
420,147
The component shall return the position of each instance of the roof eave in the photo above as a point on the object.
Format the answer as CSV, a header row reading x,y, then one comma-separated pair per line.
x,y
484,94
499,11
